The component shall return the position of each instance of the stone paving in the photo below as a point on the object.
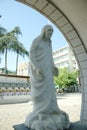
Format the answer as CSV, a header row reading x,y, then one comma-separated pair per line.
x,y
12,114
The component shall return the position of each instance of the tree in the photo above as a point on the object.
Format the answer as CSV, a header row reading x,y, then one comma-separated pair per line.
x,y
66,78
10,42
17,46
20,50
5,42
2,32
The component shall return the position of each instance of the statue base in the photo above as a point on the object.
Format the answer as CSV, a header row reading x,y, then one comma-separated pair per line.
x,y
53,121
73,126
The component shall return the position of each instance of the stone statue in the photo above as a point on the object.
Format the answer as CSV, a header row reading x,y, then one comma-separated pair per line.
x,y
46,114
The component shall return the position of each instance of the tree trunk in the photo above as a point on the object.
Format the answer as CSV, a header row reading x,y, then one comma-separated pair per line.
x,y
6,61
17,63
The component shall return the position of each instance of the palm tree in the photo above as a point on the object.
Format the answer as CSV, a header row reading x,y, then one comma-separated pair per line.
x,y
18,47
2,32
20,50
5,42
17,31
9,41
3,49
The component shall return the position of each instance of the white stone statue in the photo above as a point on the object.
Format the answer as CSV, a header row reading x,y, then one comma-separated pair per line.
x,y
46,114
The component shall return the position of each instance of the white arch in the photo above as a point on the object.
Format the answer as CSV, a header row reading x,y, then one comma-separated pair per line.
x,y
49,8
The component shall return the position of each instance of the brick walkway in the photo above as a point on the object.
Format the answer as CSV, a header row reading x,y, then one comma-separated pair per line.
x,y
13,114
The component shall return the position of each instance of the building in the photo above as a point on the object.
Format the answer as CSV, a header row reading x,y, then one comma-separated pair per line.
x,y
64,57
23,69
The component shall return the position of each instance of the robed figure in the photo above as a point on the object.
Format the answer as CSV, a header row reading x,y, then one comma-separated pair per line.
x,y
46,114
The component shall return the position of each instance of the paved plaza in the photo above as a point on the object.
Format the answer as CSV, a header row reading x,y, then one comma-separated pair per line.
x,y
12,114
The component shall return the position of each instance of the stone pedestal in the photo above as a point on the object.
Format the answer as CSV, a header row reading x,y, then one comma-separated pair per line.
x,y
73,126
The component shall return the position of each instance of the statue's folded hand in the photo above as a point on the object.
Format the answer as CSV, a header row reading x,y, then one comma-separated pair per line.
x,y
39,72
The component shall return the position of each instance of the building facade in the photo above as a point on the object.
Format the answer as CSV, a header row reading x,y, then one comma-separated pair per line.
x,y
23,69
64,57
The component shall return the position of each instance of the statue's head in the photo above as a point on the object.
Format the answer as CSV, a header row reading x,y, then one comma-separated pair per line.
x,y
47,31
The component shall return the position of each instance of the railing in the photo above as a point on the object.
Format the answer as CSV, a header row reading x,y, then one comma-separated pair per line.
x,y
14,78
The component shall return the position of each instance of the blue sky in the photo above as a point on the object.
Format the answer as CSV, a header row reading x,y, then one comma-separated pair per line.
x,y
30,22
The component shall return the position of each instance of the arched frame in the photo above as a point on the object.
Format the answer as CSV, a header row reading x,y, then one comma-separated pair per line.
x,y
56,16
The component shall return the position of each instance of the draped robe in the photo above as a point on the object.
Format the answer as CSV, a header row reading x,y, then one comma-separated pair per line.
x,y
42,85
46,112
